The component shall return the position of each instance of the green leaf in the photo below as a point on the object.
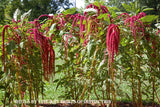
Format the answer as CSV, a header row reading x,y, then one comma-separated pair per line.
x,y
105,16
100,16
51,30
89,46
56,80
10,47
101,33
114,14
112,11
138,10
69,11
93,48
147,9
88,30
127,7
149,18
84,22
96,3
115,8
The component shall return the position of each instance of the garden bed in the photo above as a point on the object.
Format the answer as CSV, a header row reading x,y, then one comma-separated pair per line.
x,y
97,54
119,104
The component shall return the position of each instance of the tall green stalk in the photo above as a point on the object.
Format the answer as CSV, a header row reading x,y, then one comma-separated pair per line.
x,y
139,77
91,69
108,88
114,103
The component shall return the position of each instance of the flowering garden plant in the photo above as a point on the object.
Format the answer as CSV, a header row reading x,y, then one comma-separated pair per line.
x,y
98,50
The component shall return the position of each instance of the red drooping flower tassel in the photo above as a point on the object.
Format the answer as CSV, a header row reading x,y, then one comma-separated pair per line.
x,y
140,15
112,40
52,61
3,34
136,26
104,9
124,16
46,49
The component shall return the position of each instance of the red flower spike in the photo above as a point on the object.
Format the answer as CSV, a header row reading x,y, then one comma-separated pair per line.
x,y
104,9
3,34
46,50
76,18
140,15
81,25
52,61
112,40
135,25
124,15
45,15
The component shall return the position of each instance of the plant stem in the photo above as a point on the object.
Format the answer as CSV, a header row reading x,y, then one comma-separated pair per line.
x,y
153,88
133,90
37,99
157,96
139,78
91,68
17,74
30,96
139,93
97,95
108,88
74,90
69,74
112,87
103,91
4,99
30,82
42,85
91,80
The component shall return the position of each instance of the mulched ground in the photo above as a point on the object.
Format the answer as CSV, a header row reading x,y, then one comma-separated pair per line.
x,y
119,104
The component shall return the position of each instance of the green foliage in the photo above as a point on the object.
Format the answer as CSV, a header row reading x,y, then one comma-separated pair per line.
x,y
38,7
127,7
152,7
69,11
149,18
10,47
84,69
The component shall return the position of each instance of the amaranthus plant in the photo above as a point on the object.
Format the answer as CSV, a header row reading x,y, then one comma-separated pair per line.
x,y
100,51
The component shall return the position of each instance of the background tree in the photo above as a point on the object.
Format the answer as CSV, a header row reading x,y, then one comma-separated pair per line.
x,y
3,4
155,4
39,7
142,3
118,3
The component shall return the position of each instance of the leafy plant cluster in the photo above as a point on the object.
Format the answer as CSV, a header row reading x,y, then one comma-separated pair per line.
x,y
98,50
